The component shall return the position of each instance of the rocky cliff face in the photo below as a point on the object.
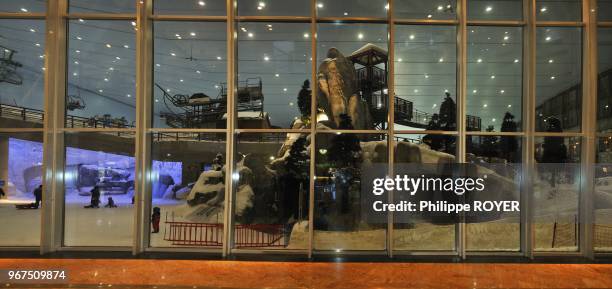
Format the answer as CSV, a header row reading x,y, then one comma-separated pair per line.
x,y
337,93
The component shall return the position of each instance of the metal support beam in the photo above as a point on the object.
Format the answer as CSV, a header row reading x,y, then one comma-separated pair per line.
x,y
52,214
313,126
460,232
144,80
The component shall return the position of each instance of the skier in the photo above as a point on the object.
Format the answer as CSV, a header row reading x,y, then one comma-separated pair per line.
x,y
38,196
155,218
111,203
95,198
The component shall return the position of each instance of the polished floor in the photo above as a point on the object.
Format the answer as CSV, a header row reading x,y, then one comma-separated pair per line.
x,y
127,273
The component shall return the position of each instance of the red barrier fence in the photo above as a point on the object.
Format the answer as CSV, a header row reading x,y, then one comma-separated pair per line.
x,y
211,235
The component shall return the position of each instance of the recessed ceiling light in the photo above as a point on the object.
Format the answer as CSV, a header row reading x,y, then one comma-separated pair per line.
x,y
440,8
201,3
76,63
306,35
108,45
219,58
106,79
111,68
400,60
479,60
277,75
489,9
441,60
128,95
126,46
117,57
285,89
474,91
502,91
37,44
516,61
77,51
320,5
509,105
506,37
485,105
133,23
543,9
100,90
548,38
181,80
261,4
157,64
32,30
551,61
411,36
553,78
387,6
492,120
416,91
345,13
360,35
492,76
23,9
250,34
198,72
74,74
81,20
266,58
172,54
192,33
429,16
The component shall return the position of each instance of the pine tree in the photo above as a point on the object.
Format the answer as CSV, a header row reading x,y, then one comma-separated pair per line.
x,y
345,149
305,99
448,122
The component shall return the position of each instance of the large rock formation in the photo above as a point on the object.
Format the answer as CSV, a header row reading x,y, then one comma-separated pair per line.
x,y
337,92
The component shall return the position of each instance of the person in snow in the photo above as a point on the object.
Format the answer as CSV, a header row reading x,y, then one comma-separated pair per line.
x,y
111,203
95,198
155,218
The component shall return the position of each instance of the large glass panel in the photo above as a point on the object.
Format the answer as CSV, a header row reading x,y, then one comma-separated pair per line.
x,y
193,7
495,77
418,9
22,52
102,6
271,207
273,7
558,79
188,189
352,8
21,194
190,68
556,191
99,189
341,161
559,10
605,10
495,10
604,87
101,74
603,195
352,75
423,233
274,74
23,6
501,155
425,78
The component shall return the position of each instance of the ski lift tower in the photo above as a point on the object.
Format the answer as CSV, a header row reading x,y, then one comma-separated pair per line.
x,y
371,68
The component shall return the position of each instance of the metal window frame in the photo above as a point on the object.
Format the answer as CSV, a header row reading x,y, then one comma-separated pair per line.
x,y
53,130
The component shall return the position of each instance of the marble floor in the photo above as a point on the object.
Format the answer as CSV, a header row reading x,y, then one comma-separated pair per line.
x,y
141,273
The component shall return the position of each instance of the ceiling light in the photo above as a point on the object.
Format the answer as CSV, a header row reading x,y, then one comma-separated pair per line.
x,y
41,56
172,54
306,35
320,5
492,76
548,38
198,72
74,74
543,9
32,30
441,60
133,23
360,35
266,58
489,9
100,90
219,58
250,34
157,64
201,3
262,4
106,79
387,6
76,63
126,46
79,38
181,80
485,105
128,95
399,60
243,29
117,57
81,20
157,100
345,13
77,51
426,76
429,16
23,9
553,78
416,91
446,91
474,91
506,37
108,45
111,68
411,36
259,8
285,89
551,61
492,120
516,61
37,44
440,8
509,105
502,91
479,60
192,33
277,75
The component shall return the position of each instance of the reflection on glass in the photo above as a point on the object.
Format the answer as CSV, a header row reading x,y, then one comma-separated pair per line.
x,y
23,6
604,87
101,74
21,194
423,234
187,190
417,9
99,189
556,190
425,78
558,78
22,52
102,6
352,75
190,75
340,160
602,200
502,156
274,67
273,8
192,7
605,10
495,10
559,10
352,8
495,75
271,208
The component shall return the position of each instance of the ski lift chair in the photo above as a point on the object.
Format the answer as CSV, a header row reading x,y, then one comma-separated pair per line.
x,y
8,67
